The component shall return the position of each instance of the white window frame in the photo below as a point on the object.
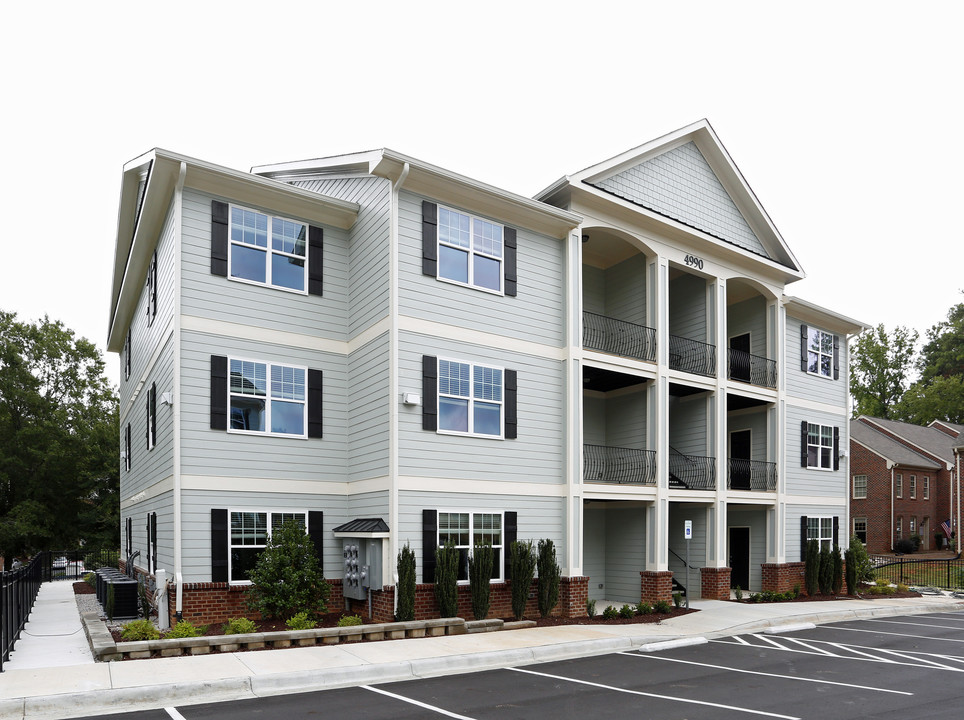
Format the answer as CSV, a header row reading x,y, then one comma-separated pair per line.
x,y
268,520
127,356
820,446
819,353
471,398
861,496
913,487
268,249
268,399
863,520
899,486
471,249
927,487
127,448
152,290
499,560
824,529
152,417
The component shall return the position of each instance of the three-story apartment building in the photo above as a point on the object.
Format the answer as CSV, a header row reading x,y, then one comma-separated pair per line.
x,y
392,353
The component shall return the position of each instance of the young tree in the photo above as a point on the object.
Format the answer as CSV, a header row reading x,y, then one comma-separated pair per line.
x,y
480,577
880,363
447,580
287,578
59,460
523,569
549,577
406,584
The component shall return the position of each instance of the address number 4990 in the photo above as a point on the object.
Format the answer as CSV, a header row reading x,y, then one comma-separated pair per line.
x,y
693,261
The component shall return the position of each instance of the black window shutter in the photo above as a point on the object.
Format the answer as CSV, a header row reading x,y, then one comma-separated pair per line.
x,y
316,533
127,356
803,444
315,403
316,260
152,300
836,530
147,424
836,357
803,538
219,545
511,271
429,392
130,536
219,392
429,544
510,534
429,238
511,405
804,355
219,238
836,448
152,426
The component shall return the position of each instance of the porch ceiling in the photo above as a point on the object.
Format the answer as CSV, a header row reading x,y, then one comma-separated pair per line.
x,y
601,380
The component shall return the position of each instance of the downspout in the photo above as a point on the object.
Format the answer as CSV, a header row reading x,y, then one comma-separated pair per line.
x,y
393,391
178,204
957,474
892,518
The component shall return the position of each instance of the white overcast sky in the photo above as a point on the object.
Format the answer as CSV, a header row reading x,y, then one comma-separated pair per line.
x,y
843,117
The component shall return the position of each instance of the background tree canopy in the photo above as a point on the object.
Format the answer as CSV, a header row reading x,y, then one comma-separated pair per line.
x,y
58,441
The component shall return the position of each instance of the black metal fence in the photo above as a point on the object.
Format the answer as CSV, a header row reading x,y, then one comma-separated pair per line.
x,y
946,574
618,337
18,591
692,356
619,465
74,564
751,369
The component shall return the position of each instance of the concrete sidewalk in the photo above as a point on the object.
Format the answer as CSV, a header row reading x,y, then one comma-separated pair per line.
x,y
87,688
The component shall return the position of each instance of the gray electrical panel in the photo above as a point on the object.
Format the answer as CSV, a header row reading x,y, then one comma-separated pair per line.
x,y
363,566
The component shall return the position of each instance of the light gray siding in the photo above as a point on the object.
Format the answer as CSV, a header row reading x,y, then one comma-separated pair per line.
x,y
687,307
369,370
749,316
163,505
615,544
678,514
688,425
537,314
801,384
756,423
625,288
813,481
626,418
794,533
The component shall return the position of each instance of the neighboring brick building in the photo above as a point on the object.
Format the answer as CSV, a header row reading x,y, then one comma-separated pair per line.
x,y
904,481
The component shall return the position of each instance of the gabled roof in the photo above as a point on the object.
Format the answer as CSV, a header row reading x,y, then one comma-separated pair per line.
x,y
686,179
888,448
926,439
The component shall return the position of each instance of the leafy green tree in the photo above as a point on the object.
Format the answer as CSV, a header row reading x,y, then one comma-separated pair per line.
x,y
940,399
287,579
943,353
880,363
59,435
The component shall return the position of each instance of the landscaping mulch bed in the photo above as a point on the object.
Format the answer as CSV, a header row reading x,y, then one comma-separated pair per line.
x,y
82,588
861,595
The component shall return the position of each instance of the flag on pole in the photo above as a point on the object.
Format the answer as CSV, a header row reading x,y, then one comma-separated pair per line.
x,y
946,527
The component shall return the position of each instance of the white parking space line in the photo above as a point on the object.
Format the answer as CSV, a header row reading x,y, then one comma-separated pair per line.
x,y
853,649
774,646
654,695
933,663
740,640
765,639
438,710
174,713
915,624
811,647
772,675
884,632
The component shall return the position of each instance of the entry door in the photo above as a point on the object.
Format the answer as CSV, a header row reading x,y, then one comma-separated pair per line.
x,y
740,460
740,557
740,357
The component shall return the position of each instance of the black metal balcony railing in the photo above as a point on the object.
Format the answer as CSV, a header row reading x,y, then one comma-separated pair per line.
x,y
751,475
691,472
692,356
751,369
625,466
618,337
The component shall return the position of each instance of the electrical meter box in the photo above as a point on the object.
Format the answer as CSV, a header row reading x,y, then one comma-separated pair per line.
x,y
363,566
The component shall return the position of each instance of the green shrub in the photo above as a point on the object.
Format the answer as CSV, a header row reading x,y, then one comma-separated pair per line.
x,y
644,608
91,579
145,599
591,608
447,580
678,599
836,580
862,566
904,546
796,591
756,597
349,621
811,568
406,584
627,611
662,607
738,592
902,588
301,621
826,571
287,578
183,629
522,566
610,613
549,577
142,629
239,626
850,569
480,576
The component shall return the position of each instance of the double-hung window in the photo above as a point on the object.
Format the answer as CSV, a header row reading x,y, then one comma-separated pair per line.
x,y
819,446
151,430
467,529
819,353
860,487
860,529
821,530
249,533
267,398
927,488
913,487
470,250
470,398
267,250
899,486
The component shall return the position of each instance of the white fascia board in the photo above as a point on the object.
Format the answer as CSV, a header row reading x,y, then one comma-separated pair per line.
x,y
806,310
348,164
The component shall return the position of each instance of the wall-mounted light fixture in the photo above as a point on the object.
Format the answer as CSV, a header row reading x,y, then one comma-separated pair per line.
x,y
411,398
167,398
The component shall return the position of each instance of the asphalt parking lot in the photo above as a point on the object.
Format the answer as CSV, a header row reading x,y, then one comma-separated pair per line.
x,y
887,667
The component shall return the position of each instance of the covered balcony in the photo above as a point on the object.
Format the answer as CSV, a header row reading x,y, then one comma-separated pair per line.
x,y
749,429
689,325
748,329
615,413
691,467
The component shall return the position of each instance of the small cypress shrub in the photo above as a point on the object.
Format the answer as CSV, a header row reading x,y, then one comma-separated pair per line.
x,y
811,568
301,621
447,580
406,584
549,577
662,607
142,629
522,566
349,621
287,578
644,608
627,611
239,626
837,581
183,629
610,613
591,608
480,574
826,571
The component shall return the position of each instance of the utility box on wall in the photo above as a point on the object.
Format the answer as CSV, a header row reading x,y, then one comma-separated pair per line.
x,y
362,549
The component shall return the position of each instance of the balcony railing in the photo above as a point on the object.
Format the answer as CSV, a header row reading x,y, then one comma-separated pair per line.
x,y
691,472
618,337
751,369
692,356
625,466
751,475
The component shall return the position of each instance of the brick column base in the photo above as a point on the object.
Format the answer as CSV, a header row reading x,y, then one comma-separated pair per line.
x,y
781,577
715,583
655,585
573,594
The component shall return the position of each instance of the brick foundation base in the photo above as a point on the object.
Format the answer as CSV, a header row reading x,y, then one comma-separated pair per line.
x,y
655,585
781,577
715,583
